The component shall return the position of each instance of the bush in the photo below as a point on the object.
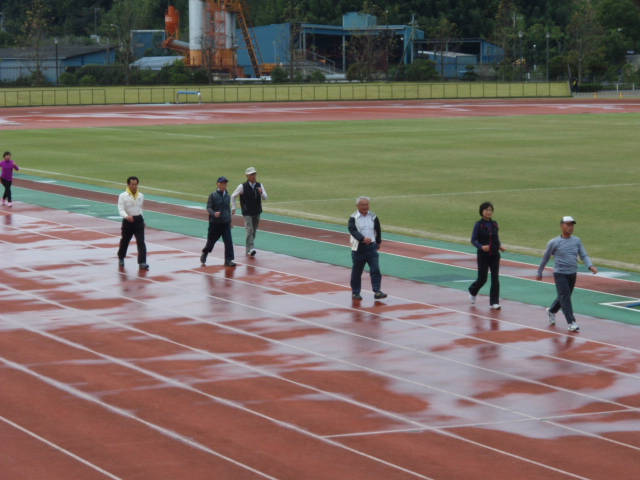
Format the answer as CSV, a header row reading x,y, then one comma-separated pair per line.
x,y
360,72
317,77
470,74
297,77
67,79
279,75
200,77
87,81
422,70
179,79
590,87
143,77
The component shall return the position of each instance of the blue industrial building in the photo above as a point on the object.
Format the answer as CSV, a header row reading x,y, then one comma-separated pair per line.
x,y
324,46
21,62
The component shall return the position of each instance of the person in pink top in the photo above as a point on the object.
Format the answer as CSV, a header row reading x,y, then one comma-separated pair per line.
x,y
8,166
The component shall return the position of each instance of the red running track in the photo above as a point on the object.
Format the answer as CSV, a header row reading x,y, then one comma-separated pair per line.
x,y
270,371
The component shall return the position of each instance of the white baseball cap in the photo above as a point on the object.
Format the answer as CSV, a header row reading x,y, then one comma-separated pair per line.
x,y
250,170
568,219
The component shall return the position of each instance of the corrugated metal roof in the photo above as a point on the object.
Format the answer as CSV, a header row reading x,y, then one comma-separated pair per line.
x,y
155,63
49,51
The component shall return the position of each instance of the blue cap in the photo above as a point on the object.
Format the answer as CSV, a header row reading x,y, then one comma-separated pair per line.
x,y
222,179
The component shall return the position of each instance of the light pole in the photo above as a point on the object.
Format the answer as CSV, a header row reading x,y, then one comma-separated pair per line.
x,y
548,35
535,59
520,59
55,41
119,39
386,60
95,21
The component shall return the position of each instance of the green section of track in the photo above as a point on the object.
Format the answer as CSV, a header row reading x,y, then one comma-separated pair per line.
x,y
518,289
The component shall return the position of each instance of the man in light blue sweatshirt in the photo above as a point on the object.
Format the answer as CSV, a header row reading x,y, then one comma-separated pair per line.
x,y
565,250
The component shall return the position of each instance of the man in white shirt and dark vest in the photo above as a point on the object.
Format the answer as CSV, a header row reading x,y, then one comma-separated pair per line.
x,y
251,194
130,209
366,237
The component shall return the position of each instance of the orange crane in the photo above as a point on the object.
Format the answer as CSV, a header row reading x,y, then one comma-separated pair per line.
x,y
212,43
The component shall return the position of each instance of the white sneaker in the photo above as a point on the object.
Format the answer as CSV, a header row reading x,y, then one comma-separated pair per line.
x,y
3,201
9,204
495,306
472,299
573,327
552,317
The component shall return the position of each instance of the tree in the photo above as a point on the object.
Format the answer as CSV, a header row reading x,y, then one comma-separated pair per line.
x,y
441,38
126,16
35,32
585,36
504,33
368,49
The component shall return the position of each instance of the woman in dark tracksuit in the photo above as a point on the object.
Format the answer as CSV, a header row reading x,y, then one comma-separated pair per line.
x,y
486,239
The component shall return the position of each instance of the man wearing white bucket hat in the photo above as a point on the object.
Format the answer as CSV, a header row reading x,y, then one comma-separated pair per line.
x,y
565,250
251,194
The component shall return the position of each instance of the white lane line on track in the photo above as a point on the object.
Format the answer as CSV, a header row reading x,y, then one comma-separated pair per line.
x,y
383,373
327,439
58,448
124,413
547,269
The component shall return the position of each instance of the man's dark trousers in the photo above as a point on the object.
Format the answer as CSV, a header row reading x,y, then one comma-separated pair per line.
x,y
366,254
217,230
565,282
129,230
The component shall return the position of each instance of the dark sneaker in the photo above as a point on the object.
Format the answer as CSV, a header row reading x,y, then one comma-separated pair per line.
x,y
230,263
573,327
253,252
143,266
380,295
356,296
203,258
121,262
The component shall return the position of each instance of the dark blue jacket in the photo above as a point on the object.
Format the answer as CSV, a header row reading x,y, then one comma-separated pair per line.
x,y
486,233
219,202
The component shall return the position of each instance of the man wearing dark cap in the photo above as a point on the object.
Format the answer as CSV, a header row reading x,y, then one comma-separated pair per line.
x,y
565,250
251,194
219,208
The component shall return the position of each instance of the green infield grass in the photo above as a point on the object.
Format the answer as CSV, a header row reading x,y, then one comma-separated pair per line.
x,y
425,177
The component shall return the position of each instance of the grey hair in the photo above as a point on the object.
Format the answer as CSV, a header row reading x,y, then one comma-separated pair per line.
x,y
362,198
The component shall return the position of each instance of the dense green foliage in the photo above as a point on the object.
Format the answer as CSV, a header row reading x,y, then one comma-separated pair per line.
x,y
581,38
474,18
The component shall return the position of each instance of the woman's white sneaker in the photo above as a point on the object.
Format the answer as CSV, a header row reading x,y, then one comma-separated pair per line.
x,y
552,317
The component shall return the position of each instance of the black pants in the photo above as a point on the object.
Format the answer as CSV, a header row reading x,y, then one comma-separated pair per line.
x,y
217,230
366,254
131,229
7,189
565,282
488,262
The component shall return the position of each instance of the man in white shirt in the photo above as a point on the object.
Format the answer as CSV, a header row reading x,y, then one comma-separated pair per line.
x,y
251,194
366,238
130,209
